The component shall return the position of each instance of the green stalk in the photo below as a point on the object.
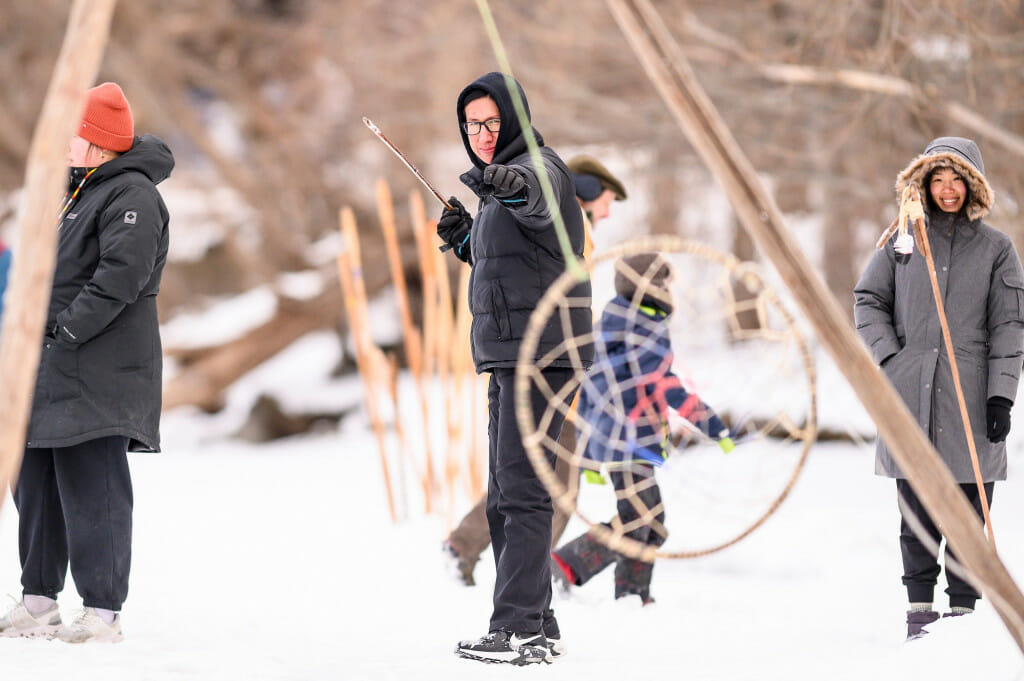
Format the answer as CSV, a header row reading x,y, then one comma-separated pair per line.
x,y
572,263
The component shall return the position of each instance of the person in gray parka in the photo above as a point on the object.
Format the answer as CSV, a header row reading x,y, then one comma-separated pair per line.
x,y
981,279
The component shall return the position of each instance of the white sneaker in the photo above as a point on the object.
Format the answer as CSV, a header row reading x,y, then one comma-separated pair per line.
x,y
89,627
19,622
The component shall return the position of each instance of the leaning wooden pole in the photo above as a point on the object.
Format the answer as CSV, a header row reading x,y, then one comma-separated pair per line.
x,y
926,250
675,81
45,177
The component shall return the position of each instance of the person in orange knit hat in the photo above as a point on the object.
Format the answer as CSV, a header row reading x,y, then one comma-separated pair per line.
x,y
97,392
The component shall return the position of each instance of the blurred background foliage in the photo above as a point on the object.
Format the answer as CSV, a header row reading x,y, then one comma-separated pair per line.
x,y
261,101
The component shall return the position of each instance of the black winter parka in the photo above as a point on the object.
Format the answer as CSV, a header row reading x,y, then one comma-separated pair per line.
x,y
100,371
516,256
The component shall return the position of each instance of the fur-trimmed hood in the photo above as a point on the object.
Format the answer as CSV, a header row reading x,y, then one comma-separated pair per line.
x,y
963,156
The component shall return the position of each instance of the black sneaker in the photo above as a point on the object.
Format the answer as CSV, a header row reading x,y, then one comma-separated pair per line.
x,y
506,647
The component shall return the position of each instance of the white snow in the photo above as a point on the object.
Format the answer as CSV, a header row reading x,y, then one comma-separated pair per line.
x,y
279,561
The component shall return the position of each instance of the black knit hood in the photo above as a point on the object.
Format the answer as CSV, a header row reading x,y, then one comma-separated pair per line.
x,y
510,138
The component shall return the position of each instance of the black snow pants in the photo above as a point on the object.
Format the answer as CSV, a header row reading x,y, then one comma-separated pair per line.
x,y
519,509
76,502
587,557
920,564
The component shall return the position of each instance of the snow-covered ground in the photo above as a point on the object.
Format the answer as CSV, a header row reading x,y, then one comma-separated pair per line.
x,y
279,561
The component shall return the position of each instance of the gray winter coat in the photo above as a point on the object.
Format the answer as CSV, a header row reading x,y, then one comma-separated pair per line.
x,y
982,284
100,368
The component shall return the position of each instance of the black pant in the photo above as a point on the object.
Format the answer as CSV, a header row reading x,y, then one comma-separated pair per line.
x,y
920,565
519,508
76,502
636,484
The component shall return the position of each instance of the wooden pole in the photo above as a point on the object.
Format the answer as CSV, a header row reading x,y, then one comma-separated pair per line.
x,y
423,349
45,177
351,277
675,81
411,335
926,250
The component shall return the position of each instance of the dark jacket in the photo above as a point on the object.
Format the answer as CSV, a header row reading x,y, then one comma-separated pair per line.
x,y
627,393
516,255
982,284
5,267
100,369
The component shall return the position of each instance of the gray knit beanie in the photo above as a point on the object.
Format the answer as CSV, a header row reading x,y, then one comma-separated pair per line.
x,y
644,278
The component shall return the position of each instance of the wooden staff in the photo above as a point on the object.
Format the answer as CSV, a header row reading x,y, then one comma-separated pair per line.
x,y
33,263
351,276
443,346
403,441
666,66
411,335
921,232
473,402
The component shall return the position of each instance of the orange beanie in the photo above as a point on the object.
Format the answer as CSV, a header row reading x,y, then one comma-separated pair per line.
x,y
107,122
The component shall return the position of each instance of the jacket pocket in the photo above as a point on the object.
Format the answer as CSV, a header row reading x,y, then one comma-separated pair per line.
x,y
1014,305
499,311
59,372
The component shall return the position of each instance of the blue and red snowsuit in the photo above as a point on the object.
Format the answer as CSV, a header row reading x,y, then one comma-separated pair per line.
x,y
625,402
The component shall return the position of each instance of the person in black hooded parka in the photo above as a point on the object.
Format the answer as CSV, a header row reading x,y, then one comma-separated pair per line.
x,y
513,248
97,393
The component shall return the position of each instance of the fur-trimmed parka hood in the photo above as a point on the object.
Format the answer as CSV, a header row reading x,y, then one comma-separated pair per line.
x,y
964,157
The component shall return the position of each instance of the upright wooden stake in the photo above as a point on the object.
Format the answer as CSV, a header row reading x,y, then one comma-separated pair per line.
x,y
423,364
367,355
45,177
671,74
410,334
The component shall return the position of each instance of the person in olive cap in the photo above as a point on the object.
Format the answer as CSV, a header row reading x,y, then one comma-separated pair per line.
x,y
515,254
97,393
980,274
596,187
626,398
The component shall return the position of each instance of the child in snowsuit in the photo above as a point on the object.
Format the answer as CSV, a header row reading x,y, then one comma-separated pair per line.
x,y
625,401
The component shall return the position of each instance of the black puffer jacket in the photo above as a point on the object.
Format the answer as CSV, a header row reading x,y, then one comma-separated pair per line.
x,y
100,369
515,250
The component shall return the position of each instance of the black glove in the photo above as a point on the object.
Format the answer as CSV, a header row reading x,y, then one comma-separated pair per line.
x,y
454,226
509,187
997,418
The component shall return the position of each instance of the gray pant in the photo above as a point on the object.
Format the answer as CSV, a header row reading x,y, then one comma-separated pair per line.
x,y
76,503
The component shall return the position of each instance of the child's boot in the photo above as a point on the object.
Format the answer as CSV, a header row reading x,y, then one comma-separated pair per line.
x,y
585,557
633,578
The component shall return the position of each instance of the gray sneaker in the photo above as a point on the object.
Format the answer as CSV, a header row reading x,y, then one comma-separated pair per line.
x,y
89,627
20,623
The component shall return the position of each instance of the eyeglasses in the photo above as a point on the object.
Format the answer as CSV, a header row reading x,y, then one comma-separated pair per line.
x,y
473,127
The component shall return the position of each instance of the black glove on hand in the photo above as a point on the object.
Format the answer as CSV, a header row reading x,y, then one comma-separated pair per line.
x,y
509,186
454,226
997,419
